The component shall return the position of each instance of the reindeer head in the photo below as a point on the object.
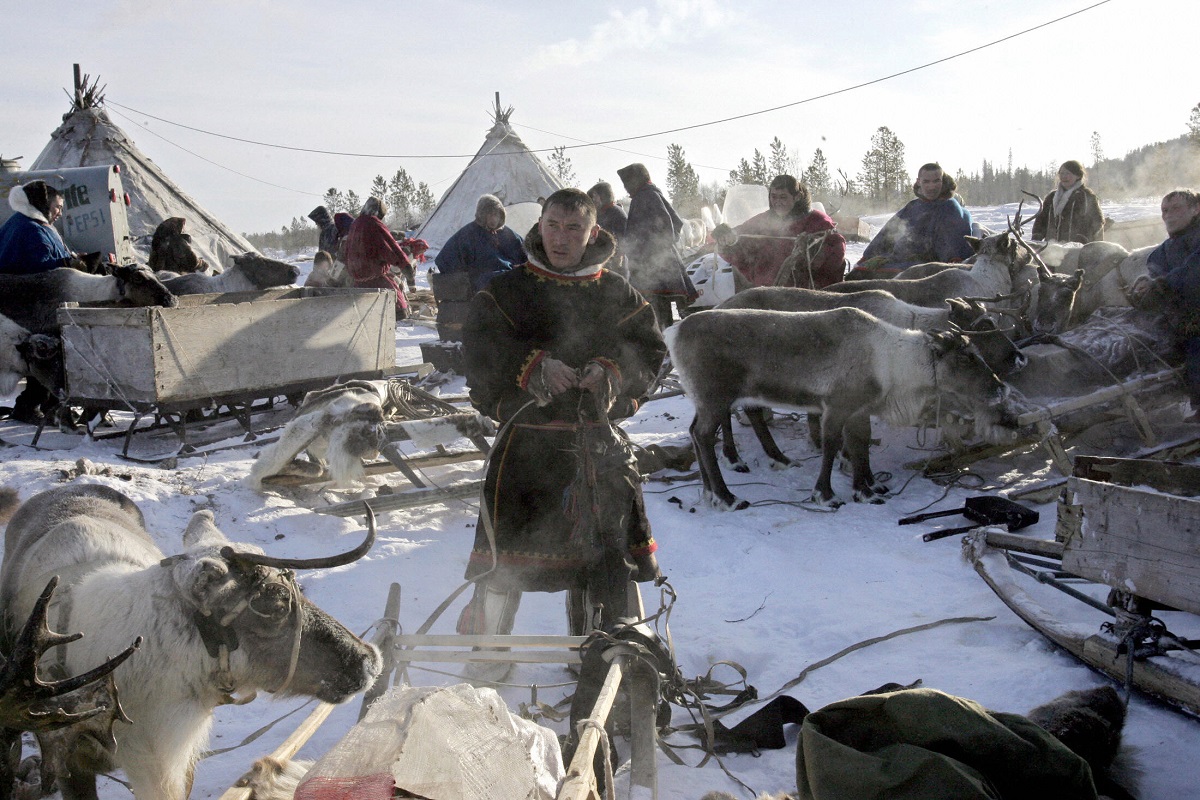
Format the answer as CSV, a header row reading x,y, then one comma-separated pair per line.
x,y
253,619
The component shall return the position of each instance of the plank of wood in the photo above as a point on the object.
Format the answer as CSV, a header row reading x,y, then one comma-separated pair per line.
x,y
1105,395
580,781
1045,491
1024,544
465,656
394,502
488,640
1139,540
1178,479
289,747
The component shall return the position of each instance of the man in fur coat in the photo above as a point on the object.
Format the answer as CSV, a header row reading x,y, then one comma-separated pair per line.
x,y
28,241
932,227
790,215
1071,213
555,351
652,228
1173,283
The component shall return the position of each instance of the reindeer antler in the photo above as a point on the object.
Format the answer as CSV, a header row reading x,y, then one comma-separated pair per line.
x,y
31,704
229,554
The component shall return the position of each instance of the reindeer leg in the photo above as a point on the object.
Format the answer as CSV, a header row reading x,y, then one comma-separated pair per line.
x,y
729,447
813,419
858,447
704,440
758,421
831,443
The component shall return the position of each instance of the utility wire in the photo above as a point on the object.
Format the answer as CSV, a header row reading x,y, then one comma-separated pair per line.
x,y
606,142
214,163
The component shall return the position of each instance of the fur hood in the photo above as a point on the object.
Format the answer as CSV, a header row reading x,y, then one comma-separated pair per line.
x,y
595,256
19,202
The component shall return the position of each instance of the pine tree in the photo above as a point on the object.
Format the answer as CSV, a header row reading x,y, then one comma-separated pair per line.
x,y
560,166
882,175
352,204
683,184
334,200
759,167
400,191
1097,148
424,202
379,188
781,161
816,177
743,173
1194,124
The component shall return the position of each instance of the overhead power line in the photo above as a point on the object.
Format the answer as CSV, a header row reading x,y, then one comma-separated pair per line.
x,y
618,140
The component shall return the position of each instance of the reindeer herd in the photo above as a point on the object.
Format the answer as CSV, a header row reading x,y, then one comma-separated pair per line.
x,y
937,335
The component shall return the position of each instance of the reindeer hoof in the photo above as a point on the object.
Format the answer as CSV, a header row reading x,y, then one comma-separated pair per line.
x,y
721,504
777,464
739,466
832,502
868,496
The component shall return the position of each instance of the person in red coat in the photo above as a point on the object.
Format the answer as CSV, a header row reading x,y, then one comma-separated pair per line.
x,y
759,246
371,252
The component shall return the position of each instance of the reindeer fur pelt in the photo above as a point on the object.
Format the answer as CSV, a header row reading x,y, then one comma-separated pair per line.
x,y
337,427
273,778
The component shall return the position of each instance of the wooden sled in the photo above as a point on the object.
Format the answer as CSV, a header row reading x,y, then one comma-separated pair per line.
x,y
580,782
1120,588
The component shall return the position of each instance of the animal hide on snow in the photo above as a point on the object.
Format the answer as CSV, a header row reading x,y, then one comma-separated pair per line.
x,y
274,779
336,427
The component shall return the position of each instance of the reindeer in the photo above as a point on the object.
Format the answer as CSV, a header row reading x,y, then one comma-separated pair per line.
x,y
32,301
171,248
250,272
968,316
217,619
843,363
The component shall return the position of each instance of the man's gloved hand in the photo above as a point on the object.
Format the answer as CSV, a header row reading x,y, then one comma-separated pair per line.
x,y
600,382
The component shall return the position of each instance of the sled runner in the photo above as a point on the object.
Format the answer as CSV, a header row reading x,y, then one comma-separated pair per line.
x,y
1120,587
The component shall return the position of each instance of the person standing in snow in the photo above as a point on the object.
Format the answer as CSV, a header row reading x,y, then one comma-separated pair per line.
x,y
611,217
556,350
932,227
483,248
28,241
790,215
327,237
1173,283
371,252
1071,213
655,268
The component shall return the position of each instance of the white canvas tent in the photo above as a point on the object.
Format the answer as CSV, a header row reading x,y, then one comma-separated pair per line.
x,y
503,167
87,137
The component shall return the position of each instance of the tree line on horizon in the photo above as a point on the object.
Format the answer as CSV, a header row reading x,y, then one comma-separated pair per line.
x,y
409,203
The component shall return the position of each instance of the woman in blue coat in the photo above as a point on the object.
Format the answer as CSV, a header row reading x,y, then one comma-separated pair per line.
x,y
28,241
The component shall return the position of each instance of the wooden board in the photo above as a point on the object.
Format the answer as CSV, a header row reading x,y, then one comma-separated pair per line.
x,y
245,344
1138,539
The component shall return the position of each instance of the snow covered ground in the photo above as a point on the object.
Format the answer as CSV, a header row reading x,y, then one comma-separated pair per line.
x,y
774,588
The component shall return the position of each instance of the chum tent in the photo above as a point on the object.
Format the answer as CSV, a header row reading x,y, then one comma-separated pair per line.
x,y
504,166
87,138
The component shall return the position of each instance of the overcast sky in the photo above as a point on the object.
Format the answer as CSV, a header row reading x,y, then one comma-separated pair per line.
x,y
417,79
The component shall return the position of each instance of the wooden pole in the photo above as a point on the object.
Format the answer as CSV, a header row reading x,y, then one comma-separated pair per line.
x,y
78,88
290,746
